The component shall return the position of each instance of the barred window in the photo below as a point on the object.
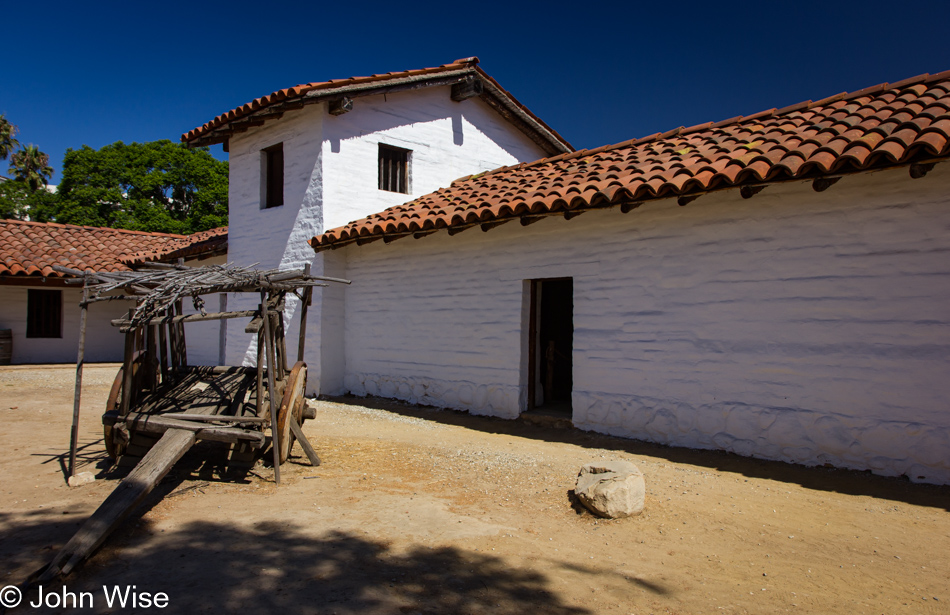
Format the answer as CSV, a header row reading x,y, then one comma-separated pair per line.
x,y
394,169
44,313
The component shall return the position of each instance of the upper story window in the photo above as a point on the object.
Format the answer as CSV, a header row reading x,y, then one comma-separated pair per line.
x,y
272,176
394,168
44,313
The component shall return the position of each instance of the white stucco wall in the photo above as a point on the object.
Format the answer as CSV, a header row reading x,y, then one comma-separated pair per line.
x,y
203,339
104,343
448,140
799,326
330,178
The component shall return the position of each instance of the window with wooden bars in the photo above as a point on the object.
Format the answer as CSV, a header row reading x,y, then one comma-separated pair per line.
x,y
272,176
394,168
44,313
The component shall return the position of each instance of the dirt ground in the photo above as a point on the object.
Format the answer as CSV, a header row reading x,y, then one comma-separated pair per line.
x,y
422,511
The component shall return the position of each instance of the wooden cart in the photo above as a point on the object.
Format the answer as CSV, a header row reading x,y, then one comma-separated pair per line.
x,y
160,405
224,404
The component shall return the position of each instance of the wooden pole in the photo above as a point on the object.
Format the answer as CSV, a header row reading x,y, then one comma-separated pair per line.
x,y
77,394
120,503
163,352
180,330
127,370
303,441
271,386
307,294
151,358
260,373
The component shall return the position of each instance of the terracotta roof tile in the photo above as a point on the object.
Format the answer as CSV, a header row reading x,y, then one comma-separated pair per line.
x,y
878,126
32,248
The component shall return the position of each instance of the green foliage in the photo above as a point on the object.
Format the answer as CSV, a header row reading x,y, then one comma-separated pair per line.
x,y
158,186
17,200
31,166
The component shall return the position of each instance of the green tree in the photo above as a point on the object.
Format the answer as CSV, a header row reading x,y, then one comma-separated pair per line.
x,y
31,166
7,133
17,201
158,186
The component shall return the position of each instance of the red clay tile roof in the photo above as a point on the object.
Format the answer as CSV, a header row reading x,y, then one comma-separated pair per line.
x,y
32,248
273,105
882,126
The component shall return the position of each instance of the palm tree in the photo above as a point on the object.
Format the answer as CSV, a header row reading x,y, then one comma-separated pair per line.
x,y
7,142
31,166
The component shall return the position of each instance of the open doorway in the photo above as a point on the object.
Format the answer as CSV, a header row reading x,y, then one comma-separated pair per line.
x,y
551,346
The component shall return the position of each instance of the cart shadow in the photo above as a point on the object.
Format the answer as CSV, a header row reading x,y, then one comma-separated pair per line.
x,y
836,480
275,567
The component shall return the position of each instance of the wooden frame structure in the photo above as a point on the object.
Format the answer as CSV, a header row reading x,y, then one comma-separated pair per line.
x,y
159,405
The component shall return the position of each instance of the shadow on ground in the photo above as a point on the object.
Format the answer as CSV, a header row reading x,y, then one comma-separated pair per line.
x,y
850,482
282,568
272,567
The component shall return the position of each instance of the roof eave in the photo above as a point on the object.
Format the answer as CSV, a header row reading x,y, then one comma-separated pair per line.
x,y
493,94
918,166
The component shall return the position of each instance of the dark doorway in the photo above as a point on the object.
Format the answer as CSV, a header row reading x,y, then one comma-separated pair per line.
x,y
552,344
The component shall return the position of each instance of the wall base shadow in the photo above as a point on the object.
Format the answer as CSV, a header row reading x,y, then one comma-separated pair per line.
x,y
830,479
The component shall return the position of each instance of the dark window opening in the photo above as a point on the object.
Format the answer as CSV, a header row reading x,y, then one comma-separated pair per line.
x,y
552,343
44,313
272,171
393,169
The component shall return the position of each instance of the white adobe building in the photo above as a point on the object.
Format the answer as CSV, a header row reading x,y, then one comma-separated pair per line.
x,y
39,312
316,156
773,285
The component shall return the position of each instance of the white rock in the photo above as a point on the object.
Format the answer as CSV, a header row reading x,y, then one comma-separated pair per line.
x,y
611,489
83,478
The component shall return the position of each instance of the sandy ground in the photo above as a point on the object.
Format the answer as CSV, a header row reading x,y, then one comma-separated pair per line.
x,y
421,511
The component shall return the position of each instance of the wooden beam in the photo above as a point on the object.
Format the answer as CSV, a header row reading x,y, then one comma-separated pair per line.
x,y
77,391
127,371
271,386
304,442
487,226
920,169
120,503
163,351
124,324
111,418
35,280
628,207
685,200
455,230
340,106
180,330
306,300
276,304
573,213
527,220
469,87
421,234
157,424
748,192
823,183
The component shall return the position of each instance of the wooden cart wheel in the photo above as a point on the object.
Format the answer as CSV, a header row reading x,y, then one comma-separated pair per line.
x,y
291,404
113,448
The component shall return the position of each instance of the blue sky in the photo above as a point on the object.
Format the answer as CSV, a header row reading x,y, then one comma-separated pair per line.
x,y
94,73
